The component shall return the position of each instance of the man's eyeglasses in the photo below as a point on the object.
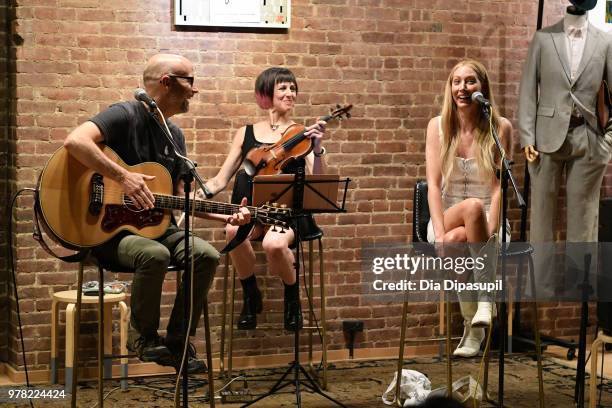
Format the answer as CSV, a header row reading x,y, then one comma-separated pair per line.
x,y
188,78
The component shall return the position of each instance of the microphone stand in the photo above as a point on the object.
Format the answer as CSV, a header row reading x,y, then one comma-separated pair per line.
x,y
188,177
505,176
586,291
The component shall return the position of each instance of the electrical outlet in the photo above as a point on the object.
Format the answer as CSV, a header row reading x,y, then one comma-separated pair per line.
x,y
352,325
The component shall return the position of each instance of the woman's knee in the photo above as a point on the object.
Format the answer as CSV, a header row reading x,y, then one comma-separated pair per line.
x,y
474,208
274,248
455,236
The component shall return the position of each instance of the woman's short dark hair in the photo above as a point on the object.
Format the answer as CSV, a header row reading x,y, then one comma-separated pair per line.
x,y
267,80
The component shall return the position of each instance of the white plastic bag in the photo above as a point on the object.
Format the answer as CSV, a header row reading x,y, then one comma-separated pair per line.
x,y
468,391
414,389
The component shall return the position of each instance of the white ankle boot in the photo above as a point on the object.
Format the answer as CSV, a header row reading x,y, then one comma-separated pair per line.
x,y
486,309
469,346
484,314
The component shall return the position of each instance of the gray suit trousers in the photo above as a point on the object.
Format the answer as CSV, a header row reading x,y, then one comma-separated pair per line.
x,y
583,158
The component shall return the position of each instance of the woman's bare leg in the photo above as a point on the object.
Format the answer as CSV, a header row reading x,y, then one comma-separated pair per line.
x,y
466,222
243,256
281,262
280,258
470,214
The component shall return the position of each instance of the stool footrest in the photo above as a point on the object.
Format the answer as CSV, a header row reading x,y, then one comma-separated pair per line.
x,y
429,339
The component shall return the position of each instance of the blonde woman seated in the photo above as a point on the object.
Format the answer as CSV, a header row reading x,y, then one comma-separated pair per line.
x,y
463,192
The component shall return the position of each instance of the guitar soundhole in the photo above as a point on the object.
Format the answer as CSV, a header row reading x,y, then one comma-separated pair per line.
x,y
117,215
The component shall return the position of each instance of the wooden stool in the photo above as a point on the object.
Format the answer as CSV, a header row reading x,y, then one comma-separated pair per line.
x,y
70,297
597,343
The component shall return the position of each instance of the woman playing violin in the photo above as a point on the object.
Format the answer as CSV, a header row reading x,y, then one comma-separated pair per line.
x,y
276,91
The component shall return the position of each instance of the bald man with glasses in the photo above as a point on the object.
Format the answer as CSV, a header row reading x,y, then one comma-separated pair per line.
x,y
130,130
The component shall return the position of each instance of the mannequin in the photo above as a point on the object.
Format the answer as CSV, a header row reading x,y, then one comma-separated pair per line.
x,y
573,16
560,133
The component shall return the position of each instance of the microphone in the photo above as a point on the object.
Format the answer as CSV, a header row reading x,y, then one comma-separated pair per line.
x,y
141,95
479,97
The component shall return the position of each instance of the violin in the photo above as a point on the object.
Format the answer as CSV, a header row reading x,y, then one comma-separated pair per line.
x,y
293,144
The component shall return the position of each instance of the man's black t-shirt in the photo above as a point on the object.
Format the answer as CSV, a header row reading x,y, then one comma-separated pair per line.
x,y
130,131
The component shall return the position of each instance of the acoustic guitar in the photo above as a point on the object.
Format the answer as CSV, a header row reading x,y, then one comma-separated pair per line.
x,y
81,208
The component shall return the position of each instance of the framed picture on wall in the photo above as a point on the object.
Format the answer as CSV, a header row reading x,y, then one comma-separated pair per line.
x,y
233,13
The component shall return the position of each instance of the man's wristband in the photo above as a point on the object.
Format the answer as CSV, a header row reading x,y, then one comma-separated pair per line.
x,y
207,192
321,153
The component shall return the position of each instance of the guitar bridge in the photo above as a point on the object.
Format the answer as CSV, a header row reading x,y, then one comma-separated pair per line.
x,y
96,194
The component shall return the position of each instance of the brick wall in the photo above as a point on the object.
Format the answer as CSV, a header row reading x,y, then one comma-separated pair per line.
x,y
387,57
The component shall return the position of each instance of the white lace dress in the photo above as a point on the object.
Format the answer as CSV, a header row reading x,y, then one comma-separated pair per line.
x,y
464,182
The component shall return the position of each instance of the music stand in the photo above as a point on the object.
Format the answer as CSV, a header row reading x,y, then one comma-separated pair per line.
x,y
305,195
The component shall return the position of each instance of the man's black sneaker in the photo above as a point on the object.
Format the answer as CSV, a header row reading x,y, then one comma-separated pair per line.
x,y
149,349
194,365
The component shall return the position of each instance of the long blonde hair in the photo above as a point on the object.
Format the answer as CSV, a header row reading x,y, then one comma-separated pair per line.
x,y
449,123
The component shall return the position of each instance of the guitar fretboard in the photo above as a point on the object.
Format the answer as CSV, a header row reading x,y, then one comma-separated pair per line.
x,y
169,202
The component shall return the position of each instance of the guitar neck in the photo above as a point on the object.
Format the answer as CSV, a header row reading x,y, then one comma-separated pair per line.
x,y
169,202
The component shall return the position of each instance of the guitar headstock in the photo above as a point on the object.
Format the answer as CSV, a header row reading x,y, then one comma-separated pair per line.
x,y
341,112
274,214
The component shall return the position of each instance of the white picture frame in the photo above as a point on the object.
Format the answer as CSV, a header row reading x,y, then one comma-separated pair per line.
x,y
233,13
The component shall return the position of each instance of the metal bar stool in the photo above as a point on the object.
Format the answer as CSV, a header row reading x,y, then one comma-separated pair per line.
x,y
119,269
322,377
419,232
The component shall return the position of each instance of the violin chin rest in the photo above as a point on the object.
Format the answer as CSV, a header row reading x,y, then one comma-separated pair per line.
x,y
249,167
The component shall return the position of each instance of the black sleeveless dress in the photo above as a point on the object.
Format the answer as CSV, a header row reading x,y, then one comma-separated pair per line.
x,y
243,185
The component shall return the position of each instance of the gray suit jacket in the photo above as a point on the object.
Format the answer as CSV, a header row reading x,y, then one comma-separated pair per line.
x,y
547,94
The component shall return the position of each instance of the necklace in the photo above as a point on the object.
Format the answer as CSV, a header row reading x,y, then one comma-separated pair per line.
x,y
274,127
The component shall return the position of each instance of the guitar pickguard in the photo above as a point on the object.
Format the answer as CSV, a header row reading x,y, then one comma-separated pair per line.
x,y
117,215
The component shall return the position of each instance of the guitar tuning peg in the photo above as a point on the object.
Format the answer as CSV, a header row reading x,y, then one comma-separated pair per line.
x,y
275,205
348,115
273,229
283,206
337,106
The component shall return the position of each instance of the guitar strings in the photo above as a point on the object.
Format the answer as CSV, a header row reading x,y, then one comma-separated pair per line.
x,y
173,202
170,199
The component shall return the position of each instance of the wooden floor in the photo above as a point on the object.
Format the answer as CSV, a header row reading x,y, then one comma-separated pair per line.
x,y
357,384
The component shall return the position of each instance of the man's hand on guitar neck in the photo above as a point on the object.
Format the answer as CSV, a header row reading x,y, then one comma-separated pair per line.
x,y
135,187
242,217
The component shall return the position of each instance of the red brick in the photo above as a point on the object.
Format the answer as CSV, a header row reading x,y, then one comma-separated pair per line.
x,y
390,58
